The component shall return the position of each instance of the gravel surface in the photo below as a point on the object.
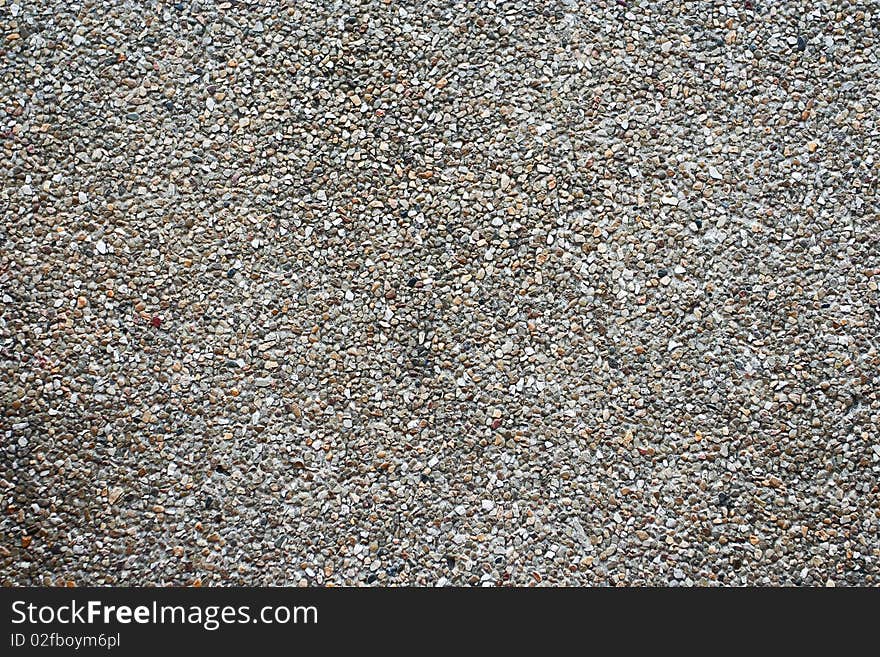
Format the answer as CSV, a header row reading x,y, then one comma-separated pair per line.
x,y
525,293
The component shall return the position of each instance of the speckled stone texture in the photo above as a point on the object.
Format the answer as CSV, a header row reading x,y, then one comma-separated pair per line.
x,y
427,293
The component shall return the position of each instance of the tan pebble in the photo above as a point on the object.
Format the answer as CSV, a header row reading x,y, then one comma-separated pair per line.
x,y
114,495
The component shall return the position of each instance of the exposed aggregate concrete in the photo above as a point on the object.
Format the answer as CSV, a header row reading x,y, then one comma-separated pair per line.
x,y
524,293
